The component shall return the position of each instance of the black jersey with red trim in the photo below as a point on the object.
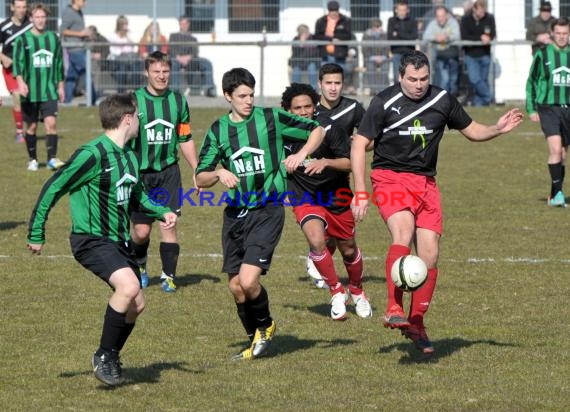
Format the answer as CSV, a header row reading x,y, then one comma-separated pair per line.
x,y
407,132
331,188
346,114
9,31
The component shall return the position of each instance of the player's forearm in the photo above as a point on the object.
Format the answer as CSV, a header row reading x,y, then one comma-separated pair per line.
x,y
207,179
188,150
358,162
313,142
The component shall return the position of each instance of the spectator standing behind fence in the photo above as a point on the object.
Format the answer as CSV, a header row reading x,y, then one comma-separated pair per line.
x,y
401,27
441,33
547,102
538,29
10,30
126,63
38,68
332,27
99,54
305,58
479,26
152,40
186,62
74,34
375,58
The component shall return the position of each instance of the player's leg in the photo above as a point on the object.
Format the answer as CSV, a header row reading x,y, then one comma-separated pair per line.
x,y
49,111
352,259
313,228
12,86
169,250
141,228
552,122
30,112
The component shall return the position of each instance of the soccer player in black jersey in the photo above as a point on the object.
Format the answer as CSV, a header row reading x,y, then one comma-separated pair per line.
x,y
344,112
404,125
321,204
38,68
164,128
548,100
249,143
10,29
102,178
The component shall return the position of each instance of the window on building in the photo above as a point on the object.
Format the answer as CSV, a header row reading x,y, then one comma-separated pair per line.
x,y
564,8
247,16
202,14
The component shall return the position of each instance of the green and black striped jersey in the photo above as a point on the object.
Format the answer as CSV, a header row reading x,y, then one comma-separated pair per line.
x,y
164,123
549,78
254,151
102,179
39,60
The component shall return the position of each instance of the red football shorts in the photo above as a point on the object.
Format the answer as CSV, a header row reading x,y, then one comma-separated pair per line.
x,y
397,191
10,80
339,226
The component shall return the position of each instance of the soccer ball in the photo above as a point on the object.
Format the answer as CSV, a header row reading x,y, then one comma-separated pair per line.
x,y
409,273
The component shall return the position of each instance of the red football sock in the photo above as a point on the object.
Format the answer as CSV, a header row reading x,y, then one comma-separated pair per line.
x,y
325,265
395,294
354,270
18,118
421,299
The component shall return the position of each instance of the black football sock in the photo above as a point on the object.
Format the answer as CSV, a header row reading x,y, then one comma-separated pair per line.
x,y
246,319
51,145
260,309
113,326
125,333
140,252
556,177
563,174
169,255
31,146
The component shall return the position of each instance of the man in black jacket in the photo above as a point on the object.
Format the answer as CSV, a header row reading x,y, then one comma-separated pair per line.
x,y
333,26
401,27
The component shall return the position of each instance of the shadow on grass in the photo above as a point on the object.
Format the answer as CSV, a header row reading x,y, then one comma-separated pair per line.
x,y
11,225
133,376
187,279
344,280
443,348
283,344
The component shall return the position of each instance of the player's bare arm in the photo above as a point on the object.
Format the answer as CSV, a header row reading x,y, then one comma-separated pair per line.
x,y
478,132
358,165
209,179
319,165
315,139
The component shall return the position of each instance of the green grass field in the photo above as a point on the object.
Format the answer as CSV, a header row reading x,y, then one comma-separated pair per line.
x,y
499,319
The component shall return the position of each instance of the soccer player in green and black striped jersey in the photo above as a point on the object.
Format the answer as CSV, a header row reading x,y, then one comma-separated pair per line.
x,y
249,142
164,128
38,68
103,179
547,100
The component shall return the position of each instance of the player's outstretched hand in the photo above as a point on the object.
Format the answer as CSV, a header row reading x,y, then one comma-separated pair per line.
x,y
35,248
359,208
169,220
510,120
227,178
293,161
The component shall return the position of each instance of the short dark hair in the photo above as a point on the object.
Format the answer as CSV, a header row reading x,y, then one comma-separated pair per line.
x,y
114,107
415,58
330,68
562,21
236,77
298,89
157,57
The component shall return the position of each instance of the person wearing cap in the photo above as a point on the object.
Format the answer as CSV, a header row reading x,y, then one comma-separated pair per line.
x,y
332,27
538,29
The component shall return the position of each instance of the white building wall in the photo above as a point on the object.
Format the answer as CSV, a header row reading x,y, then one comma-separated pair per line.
x,y
513,59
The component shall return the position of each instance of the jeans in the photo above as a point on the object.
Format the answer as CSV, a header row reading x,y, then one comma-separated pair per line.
x,y
448,74
75,72
312,74
199,71
396,66
478,73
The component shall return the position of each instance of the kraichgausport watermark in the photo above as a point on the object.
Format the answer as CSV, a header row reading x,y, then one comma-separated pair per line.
x,y
339,198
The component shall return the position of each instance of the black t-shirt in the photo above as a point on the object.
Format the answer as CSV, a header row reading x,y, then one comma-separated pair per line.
x,y
331,188
407,132
346,114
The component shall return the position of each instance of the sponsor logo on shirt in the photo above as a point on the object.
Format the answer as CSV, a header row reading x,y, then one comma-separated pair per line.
x,y
248,161
124,188
561,77
159,131
417,131
42,59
